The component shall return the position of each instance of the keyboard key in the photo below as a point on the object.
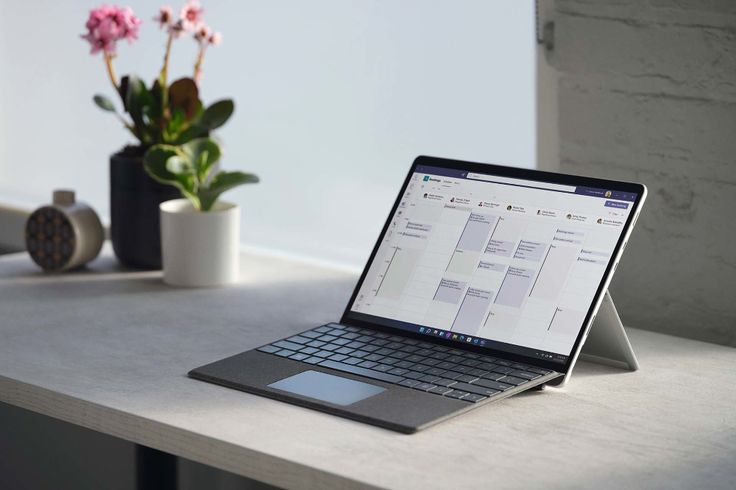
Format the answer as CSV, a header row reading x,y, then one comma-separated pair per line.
x,y
424,386
379,342
341,341
344,350
415,358
368,373
413,374
311,334
370,348
327,338
323,353
323,329
513,380
538,370
495,385
351,336
398,371
313,360
381,335
373,357
283,344
431,362
466,378
446,365
444,382
330,347
440,390
298,356
428,378
366,364
316,343
336,332
476,372
338,357
383,368
364,338
352,360
299,339
436,371
502,369
472,397
352,329
359,353
456,394
285,353
409,382
268,349
474,388
389,360
355,344
524,374
404,364
420,367
492,376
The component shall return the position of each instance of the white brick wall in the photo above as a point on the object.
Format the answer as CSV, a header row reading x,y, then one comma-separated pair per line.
x,y
647,92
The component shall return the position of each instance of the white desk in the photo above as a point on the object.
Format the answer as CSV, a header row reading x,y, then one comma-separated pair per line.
x,y
109,350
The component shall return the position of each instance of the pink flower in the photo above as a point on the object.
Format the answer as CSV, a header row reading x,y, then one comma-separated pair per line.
x,y
177,28
107,25
165,16
202,34
191,15
215,38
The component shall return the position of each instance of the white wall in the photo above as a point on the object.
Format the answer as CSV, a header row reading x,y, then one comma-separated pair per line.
x,y
334,100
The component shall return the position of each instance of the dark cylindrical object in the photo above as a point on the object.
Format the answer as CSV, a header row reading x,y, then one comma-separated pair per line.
x,y
134,216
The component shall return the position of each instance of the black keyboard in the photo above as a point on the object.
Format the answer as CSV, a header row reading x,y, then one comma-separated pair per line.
x,y
408,362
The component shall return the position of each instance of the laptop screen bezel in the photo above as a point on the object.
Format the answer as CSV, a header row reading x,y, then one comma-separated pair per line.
x,y
517,173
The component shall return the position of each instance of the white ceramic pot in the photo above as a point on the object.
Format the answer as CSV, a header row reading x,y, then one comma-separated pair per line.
x,y
200,249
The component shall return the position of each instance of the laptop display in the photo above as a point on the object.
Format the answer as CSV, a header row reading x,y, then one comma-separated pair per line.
x,y
503,263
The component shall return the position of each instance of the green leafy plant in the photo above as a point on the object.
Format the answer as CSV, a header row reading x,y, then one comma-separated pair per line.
x,y
191,168
170,122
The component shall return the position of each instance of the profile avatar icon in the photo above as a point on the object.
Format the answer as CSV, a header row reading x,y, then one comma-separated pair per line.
x,y
508,208
569,216
600,221
452,199
539,211
425,195
608,194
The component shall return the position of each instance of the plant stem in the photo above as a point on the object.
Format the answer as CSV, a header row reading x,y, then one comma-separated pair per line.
x,y
111,71
163,77
198,64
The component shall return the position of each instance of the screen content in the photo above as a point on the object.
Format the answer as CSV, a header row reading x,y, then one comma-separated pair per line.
x,y
497,262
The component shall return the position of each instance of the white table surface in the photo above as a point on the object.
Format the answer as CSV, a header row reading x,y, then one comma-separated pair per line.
x,y
109,350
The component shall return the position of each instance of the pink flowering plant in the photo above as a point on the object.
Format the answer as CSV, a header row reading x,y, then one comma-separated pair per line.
x,y
169,120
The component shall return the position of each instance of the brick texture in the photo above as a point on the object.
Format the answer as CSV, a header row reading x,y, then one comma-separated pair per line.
x,y
647,92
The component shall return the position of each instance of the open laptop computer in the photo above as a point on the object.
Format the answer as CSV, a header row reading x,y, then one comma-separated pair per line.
x,y
484,283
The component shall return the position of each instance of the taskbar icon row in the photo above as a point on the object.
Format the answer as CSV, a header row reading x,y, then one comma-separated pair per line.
x,y
446,334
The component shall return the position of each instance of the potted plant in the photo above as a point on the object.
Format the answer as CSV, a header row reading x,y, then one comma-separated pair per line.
x,y
200,235
155,113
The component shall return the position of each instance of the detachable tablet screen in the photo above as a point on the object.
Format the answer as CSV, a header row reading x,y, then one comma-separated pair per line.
x,y
505,263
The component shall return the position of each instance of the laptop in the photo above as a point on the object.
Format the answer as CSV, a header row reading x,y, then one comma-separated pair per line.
x,y
483,283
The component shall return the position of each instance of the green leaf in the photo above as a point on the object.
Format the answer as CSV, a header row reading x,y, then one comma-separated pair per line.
x,y
222,182
167,164
155,161
139,101
104,103
203,153
217,114
184,95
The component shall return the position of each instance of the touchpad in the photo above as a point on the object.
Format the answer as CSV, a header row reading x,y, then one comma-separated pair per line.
x,y
326,387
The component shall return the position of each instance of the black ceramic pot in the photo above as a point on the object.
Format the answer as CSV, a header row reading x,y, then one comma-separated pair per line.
x,y
134,213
